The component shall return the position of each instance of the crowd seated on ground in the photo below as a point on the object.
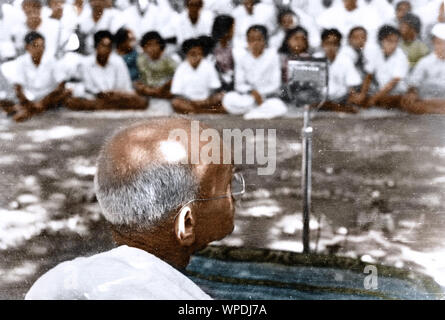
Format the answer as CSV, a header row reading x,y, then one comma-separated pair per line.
x,y
208,56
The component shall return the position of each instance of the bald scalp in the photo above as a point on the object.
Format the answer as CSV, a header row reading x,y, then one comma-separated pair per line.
x,y
136,185
136,147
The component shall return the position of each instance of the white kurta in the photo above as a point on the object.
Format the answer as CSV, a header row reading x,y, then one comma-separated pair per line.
x,y
386,69
95,78
339,18
49,29
342,76
262,74
110,20
36,81
263,14
195,84
428,76
160,17
124,273
184,28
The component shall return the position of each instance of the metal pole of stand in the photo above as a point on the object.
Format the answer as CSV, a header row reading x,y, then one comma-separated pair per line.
x,y
306,176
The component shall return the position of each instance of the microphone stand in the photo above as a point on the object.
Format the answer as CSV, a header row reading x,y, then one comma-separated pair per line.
x,y
306,169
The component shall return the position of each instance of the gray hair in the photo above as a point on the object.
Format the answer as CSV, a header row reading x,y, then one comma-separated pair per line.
x,y
146,197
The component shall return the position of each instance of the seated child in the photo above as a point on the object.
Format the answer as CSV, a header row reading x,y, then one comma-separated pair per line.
x,y
257,79
196,82
222,34
37,86
105,80
155,66
390,67
343,76
414,48
359,51
427,81
125,47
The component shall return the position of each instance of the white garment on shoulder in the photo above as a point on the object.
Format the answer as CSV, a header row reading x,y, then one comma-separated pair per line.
x,y
186,30
48,28
342,76
219,6
368,53
428,76
69,18
123,273
309,23
161,18
263,14
338,17
37,81
113,77
386,69
262,73
195,84
110,20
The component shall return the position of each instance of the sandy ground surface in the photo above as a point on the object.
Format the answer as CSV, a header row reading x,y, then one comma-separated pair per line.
x,y
378,182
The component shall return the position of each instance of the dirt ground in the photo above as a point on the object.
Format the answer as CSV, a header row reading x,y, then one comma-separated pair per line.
x,y
378,182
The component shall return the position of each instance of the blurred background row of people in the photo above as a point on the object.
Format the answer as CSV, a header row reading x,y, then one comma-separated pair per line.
x,y
218,55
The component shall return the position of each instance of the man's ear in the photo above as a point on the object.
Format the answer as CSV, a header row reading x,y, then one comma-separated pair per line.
x,y
185,227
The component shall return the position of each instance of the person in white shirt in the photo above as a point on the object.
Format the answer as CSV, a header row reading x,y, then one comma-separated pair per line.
x,y
100,17
196,82
131,14
427,80
307,19
249,13
257,80
160,17
66,17
37,84
431,13
390,67
33,21
62,11
344,79
360,51
7,48
382,8
219,7
193,22
345,17
105,81
161,206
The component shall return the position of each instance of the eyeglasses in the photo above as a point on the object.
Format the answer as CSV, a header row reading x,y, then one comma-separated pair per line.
x,y
237,187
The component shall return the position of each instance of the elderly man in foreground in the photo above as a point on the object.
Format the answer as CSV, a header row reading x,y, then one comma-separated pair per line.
x,y
161,210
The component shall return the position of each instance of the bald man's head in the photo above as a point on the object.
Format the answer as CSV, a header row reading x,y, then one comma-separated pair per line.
x,y
141,175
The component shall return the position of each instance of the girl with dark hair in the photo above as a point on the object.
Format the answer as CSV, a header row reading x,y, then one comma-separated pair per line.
x,y
295,45
222,34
